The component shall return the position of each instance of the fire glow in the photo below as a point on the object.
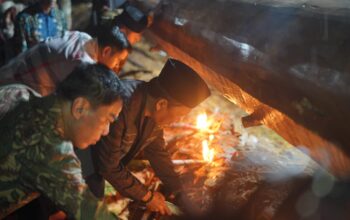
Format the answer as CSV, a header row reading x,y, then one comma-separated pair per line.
x,y
208,154
202,122
203,125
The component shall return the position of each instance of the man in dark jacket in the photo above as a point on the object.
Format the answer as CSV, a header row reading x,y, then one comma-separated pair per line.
x,y
163,100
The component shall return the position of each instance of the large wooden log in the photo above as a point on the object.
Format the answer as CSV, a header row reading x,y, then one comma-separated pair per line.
x,y
285,63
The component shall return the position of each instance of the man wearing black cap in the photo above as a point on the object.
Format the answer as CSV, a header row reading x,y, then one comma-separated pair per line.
x,y
163,100
132,22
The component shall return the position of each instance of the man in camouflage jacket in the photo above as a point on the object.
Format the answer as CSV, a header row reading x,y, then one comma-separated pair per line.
x,y
37,137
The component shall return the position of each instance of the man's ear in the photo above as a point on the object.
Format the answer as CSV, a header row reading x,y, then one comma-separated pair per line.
x,y
80,106
106,51
161,104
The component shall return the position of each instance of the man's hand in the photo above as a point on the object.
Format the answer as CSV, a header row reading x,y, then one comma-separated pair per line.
x,y
157,203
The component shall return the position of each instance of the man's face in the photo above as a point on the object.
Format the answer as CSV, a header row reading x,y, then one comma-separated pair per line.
x,y
170,114
133,37
95,123
111,57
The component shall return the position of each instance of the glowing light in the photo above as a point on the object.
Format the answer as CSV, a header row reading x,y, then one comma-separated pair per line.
x,y
202,121
204,125
208,154
211,137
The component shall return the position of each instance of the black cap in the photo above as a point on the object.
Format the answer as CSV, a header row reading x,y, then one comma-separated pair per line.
x,y
133,18
182,83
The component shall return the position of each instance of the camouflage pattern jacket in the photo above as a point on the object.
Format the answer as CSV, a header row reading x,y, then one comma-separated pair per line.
x,y
35,159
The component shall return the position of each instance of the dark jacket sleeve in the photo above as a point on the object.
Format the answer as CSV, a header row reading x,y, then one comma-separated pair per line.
x,y
160,161
107,156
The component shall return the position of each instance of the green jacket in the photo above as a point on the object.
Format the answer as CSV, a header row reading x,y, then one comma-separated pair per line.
x,y
35,159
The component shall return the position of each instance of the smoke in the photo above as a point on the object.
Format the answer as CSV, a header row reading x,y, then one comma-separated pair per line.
x,y
272,162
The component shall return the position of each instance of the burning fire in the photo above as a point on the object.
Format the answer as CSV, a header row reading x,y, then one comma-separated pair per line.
x,y
202,122
203,125
207,125
208,154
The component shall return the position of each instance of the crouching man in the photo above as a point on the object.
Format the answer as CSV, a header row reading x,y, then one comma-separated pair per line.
x,y
163,100
37,138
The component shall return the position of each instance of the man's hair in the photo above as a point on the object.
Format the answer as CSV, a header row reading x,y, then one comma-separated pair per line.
x,y
110,35
132,18
95,82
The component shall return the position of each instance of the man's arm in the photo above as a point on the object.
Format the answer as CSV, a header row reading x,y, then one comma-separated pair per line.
x,y
59,178
161,163
107,157
109,153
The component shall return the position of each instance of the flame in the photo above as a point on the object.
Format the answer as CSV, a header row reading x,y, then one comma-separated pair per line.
x,y
208,154
211,137
206,124
202,122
